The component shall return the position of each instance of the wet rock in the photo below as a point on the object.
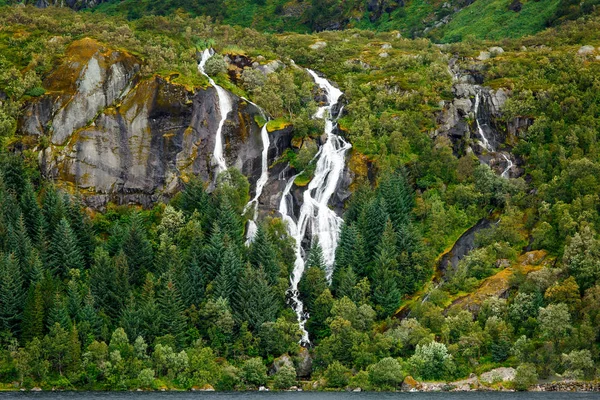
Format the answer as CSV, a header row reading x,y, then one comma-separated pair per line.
x,y
515,6
318,45
495,51
303,364
410,384
280,362
498,375
483,55
586,50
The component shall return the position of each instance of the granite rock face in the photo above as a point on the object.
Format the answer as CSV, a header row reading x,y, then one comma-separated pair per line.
x,y
118,137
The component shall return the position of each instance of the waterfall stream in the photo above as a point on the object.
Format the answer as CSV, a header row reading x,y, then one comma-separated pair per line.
x,y
325,224
262,180
225,107
487,144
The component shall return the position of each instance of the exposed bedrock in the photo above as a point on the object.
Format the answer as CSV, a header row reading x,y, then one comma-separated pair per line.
x,y
121,138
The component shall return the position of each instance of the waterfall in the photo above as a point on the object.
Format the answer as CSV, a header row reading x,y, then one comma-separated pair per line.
x,y
262,180
324,222
225,107
487,144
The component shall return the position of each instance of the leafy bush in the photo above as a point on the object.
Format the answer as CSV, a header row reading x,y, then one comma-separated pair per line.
x,y
386,374
525,377
215,65
285,377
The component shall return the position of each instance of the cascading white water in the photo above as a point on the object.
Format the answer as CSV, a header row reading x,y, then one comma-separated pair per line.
x,y
262,180
324,222
225,107
486,143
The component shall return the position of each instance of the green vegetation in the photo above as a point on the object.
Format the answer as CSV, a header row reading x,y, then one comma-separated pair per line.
x,y
171,297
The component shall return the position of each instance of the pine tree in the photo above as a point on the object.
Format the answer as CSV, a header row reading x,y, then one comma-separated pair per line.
x,y
53,210
148,311
167,257
386,294
64,252
213,253
317,323
12,294
226,282
263,254
195,199
33,314
59,313
20,244
137,249
171,317
347,283
32,213
88,320
230,221
104,285
254,301
193,277
81,226
311,285
131,319
315,256
396,192
372,224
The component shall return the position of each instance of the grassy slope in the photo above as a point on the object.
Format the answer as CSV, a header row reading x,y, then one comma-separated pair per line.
x,y
484,19
491,19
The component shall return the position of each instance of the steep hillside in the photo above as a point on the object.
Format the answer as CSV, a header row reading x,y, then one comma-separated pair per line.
x,y
188,204
445,21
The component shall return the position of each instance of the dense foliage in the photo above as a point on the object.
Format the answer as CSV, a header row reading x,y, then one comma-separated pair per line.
x,y
171,296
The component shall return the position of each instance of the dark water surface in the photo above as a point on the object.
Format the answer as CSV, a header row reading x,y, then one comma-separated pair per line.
x,y
296,396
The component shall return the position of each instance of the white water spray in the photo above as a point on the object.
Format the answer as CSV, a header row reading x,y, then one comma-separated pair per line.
x,y
486,143
324,222
262,180
225,107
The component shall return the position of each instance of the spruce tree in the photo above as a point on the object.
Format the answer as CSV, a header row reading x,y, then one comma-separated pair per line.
x,y
12,294
311,285
395,190
213,252
81,226
32,213
33,314
137,250
64,252
254,302
53,209
193,278
170,306
386,294
347,283
230,221
263,254
372,224
59,313
315,256
104,285
148,311
226,282
88,320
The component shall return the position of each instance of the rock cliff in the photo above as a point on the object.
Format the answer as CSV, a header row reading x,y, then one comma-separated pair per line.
x,y
122,138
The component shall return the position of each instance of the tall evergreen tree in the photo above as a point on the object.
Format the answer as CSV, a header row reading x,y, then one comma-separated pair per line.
x,y
226,282
170,306
137,250
81,226
64,252
214,251
263,254
386,294
230,221
12,294
33,314
311,285
32,213
254,301
53,209
315,256
372,224
347,283
395,190
59,313
104,284
193,277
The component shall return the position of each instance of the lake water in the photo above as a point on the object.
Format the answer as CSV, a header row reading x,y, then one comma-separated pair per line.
x,y
296,396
